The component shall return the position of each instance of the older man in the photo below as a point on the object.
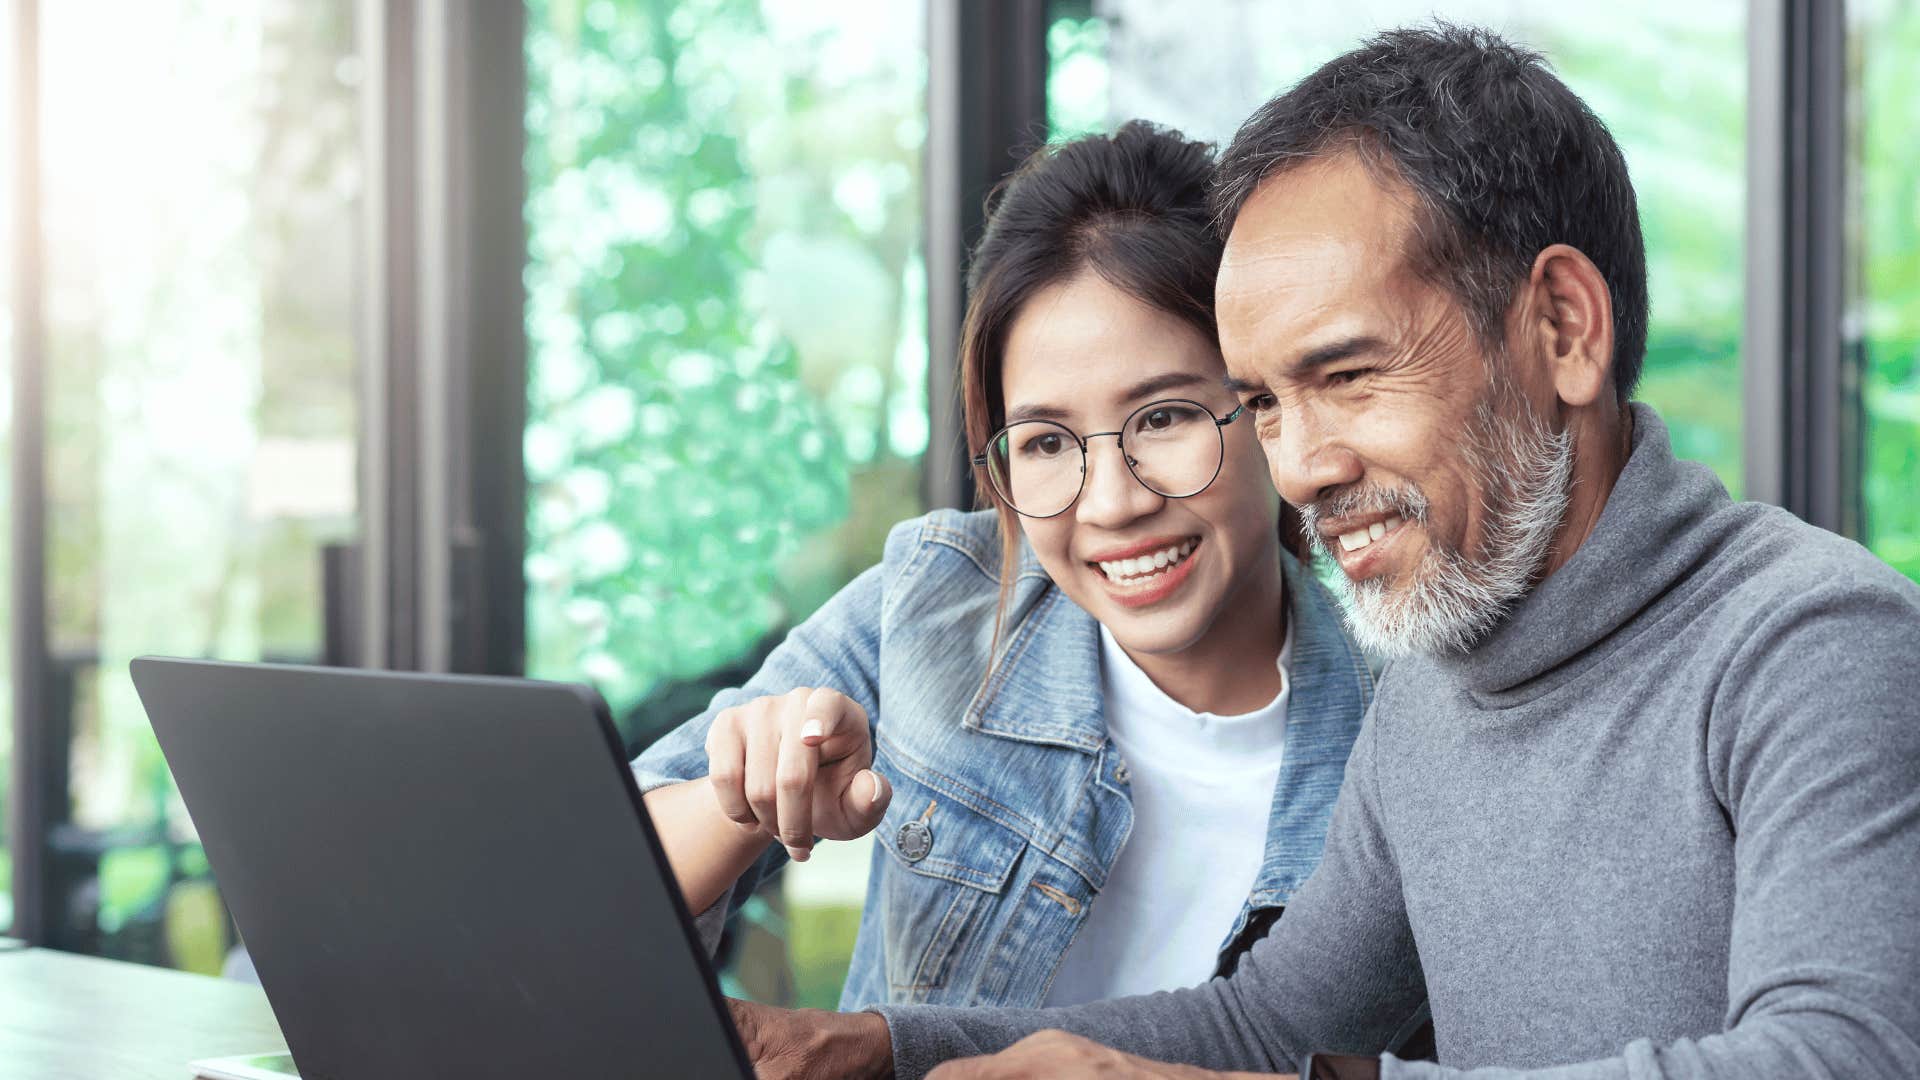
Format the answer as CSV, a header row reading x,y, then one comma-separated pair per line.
x,y
1640,796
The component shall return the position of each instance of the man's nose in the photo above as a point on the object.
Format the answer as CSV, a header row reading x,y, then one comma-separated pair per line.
x,y
1304,460
1110,496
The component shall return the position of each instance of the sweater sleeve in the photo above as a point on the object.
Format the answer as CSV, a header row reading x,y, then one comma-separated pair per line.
x,y
1337,972
1814,745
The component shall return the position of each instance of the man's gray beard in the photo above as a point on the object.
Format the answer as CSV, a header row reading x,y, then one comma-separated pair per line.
x,y
1526,472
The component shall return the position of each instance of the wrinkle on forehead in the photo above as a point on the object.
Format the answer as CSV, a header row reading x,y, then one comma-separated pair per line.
x,y
1321,253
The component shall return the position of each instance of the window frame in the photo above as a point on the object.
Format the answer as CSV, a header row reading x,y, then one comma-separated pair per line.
x,y
1800,379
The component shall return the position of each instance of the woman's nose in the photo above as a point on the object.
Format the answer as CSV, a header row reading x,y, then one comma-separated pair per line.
x,y
1110,496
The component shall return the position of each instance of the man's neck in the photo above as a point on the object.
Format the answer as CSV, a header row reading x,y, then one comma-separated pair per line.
x,y
1602,442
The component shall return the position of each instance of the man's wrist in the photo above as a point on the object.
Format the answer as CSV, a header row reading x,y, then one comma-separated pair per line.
x,y
861,1045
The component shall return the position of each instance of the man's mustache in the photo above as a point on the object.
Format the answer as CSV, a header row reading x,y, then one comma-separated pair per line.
x,y
1406,502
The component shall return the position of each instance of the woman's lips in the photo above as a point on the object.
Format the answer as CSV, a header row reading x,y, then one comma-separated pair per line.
x,y
1154,587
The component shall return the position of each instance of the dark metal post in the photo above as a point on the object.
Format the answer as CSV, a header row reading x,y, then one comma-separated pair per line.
x,y
440,582
34,751
489,580
388,312
1802,397
987,105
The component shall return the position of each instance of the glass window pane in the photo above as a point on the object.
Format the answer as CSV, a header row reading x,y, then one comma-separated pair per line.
x,y
727,366
1668,79
1885,238
199,217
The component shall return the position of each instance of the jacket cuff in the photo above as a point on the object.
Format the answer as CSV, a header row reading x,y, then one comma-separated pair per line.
x,y
711,923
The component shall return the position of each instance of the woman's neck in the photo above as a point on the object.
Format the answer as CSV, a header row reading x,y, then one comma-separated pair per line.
x,y
1231,670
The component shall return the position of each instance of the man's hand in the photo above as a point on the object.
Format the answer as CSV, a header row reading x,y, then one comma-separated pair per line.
x,y
804,1044
1052,1054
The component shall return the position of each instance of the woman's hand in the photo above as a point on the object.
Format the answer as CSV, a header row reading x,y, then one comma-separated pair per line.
x,y
796,766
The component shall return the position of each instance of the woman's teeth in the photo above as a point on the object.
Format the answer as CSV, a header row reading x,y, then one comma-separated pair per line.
x,y
1359,538
1133,571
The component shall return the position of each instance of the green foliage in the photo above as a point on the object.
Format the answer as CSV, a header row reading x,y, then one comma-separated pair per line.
x,y
1076,76
727,402
131,879
821,940
672,454
1886,37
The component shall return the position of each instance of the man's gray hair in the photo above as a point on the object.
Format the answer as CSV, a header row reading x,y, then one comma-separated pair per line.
x,y
1502,157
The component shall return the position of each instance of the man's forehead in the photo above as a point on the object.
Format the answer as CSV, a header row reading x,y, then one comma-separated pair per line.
x,y
1311,244
1331,206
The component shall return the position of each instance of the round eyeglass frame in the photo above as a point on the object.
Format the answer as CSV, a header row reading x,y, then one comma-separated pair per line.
x,y
1119,438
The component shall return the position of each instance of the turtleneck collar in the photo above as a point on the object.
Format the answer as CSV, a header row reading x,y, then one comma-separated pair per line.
x,y
1649,538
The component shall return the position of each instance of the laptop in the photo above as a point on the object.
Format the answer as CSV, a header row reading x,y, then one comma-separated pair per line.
x,y
440,875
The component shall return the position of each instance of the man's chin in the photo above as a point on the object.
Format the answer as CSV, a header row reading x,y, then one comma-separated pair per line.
x,y
1406,614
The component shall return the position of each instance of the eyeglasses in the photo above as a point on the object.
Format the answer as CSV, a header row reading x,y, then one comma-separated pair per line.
x,y
1173,447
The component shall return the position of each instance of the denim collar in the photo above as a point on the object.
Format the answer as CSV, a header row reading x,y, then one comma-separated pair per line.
x,y
1030,700
1027,700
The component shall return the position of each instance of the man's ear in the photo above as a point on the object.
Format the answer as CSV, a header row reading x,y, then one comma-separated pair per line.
x,y
1572,314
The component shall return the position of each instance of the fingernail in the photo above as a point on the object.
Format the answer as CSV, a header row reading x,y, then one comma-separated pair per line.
x,y
875,797
797,854
810,730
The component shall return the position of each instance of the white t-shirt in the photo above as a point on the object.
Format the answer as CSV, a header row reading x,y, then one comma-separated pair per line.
x,y
1202,788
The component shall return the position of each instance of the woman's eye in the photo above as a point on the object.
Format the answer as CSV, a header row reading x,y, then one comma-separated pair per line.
x,y
1044,445
1157,420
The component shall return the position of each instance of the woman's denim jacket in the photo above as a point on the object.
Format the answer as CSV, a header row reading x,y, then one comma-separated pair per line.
x,y
1010,803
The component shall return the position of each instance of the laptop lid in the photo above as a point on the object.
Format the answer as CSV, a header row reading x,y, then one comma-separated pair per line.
x,y
440,875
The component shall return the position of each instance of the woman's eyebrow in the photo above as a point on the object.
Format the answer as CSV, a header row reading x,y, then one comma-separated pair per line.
x,y
1037,412
1160,384
1148,387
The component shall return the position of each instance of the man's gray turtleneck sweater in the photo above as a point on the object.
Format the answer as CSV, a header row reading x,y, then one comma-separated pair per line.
x,y
1663,822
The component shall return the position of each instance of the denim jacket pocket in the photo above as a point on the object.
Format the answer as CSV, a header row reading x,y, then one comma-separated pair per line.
x,y
946,864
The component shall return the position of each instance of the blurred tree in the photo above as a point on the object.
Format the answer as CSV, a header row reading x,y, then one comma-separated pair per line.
x,y
1885,322
673,456
727,368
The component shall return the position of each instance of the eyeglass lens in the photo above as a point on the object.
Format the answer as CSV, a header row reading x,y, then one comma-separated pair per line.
x,y
1172,447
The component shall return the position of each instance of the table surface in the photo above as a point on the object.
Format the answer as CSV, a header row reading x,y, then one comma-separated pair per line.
x,y
68,1017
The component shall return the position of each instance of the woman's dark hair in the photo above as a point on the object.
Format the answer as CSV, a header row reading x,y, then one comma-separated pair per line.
x,y
1504,159
1130,207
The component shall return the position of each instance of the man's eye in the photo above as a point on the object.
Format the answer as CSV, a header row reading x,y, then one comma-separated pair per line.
x,y
1260,403
1348,375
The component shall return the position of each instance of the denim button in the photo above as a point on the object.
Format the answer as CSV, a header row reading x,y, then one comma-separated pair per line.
x,y
915,840
1122,773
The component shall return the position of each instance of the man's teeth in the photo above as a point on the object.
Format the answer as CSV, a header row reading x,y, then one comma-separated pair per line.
x,y
1127,571
1359,538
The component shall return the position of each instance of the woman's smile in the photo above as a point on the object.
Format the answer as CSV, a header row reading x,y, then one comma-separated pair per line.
x,y
1147,573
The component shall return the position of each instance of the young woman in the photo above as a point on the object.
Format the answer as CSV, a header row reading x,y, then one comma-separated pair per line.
x,y
1099,729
